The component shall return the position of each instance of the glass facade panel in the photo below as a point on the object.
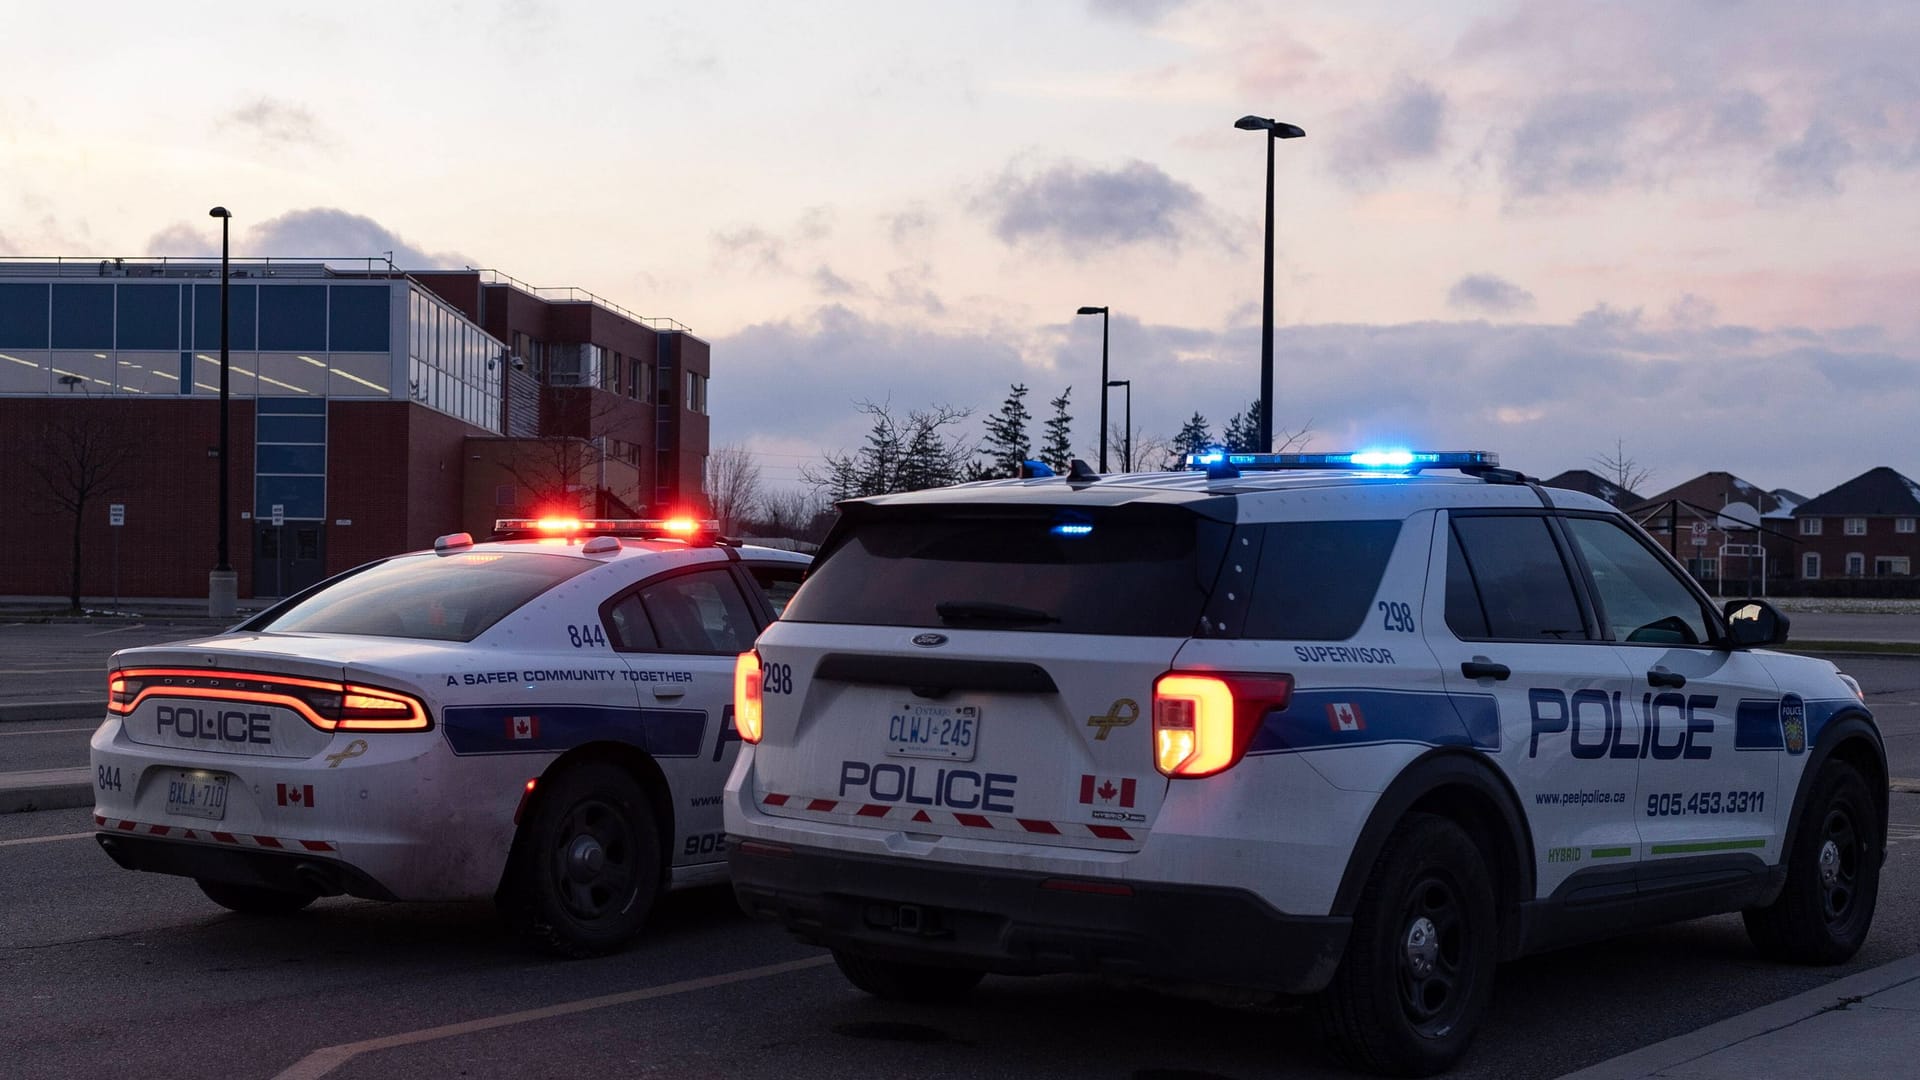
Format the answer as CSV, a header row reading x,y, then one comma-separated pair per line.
x,y
452,365
243,300
82,316
298,374
24,371
206,373
293,317
301,496
283,458
82,372
274,428
147,372
359,318
23,317
147,317
360,375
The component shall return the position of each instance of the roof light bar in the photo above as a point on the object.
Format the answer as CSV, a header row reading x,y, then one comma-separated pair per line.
x,y
1384,459
639,528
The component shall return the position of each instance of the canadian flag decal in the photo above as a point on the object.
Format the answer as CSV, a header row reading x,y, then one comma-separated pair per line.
x,y
1107,790
1345,716
523,727
299,795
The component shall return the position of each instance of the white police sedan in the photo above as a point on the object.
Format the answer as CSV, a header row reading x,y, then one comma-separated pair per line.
x,y
544,719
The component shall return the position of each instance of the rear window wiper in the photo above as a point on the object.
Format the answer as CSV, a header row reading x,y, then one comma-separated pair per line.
x,y
988,611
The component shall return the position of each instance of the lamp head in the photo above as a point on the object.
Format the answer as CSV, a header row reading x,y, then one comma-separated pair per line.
x,y
1091,311
220,212
1279,128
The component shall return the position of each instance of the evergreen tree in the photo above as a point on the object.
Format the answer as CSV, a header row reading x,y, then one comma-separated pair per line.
x,y
1243,431
898,456
1193,438
1005,446
1057,451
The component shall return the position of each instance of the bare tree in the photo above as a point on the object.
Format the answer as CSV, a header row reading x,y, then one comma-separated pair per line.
x,y
899,455
83,454
790,512
567,473
1625,472
733,485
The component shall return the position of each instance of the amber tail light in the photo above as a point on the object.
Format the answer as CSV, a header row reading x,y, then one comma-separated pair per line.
x,y
1204,722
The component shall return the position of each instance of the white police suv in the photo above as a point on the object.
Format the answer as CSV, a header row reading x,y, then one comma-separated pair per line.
x,y
1356,726
545,720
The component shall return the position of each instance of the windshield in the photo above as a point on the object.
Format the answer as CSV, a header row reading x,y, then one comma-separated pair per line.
x,y
1136,571
435,597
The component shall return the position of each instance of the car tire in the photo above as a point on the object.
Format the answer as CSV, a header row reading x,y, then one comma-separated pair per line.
x,y
587,867
895,980
1418,971
254,899
1824,911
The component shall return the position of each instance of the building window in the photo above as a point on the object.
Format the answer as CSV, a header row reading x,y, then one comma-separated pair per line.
x,y
1856,564
1856,526
638,379
1810,566
1809,526
614,372
1704,569
696,392
1891,566
1903,525
503,495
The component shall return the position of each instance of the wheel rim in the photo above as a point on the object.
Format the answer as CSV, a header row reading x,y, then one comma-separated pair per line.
x,y
1432,955
594,861
1839,865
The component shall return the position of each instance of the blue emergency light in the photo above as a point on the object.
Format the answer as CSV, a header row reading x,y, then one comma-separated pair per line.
x,y
1223,462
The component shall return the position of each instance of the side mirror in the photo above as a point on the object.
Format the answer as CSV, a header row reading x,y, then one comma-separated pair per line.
x,y
1755,624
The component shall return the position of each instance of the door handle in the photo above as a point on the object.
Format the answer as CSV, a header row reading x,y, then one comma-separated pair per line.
x,y
1660,676
668,692
1482,668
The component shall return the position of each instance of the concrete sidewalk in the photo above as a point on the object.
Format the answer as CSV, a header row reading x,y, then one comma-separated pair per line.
x,y
1865,1026
45,789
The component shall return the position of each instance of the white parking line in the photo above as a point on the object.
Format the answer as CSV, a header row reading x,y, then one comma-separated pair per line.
x,y
45,839
323,1061
118,630
47,731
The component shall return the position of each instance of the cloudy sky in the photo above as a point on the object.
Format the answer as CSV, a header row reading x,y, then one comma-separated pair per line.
x,y
1534,227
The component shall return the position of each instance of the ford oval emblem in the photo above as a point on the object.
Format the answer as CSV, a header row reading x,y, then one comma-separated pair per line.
x,y
929,641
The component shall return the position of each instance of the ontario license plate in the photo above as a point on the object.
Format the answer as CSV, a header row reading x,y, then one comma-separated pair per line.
x,y
934,731
197,794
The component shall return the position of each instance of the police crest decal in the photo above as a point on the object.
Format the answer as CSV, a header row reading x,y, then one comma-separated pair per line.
x,y
1793,723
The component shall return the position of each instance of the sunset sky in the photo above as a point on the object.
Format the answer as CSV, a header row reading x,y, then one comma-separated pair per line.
x,y
1536,228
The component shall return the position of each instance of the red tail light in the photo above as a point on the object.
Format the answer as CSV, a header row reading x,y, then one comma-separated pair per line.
x,y
746,697
1203,723
329,706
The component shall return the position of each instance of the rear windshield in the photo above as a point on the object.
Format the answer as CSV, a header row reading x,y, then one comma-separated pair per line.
x,y
436,597
1133,571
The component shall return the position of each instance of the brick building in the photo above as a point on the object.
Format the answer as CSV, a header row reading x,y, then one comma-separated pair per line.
x,y
374,409
1724,528
1865,528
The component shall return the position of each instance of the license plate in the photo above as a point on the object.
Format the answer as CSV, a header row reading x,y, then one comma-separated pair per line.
x,y
197,794
934,731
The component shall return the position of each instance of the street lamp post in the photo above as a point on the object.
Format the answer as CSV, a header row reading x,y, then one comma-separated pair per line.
x,y
222,584
1278,130
1126,425
1102,312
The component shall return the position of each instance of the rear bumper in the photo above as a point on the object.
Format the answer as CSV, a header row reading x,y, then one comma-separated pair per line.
x,y
291,871
1013,922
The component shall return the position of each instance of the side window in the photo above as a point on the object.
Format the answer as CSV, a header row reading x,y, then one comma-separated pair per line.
x,y
1317,579
1641,600
778,582
699,613
1521,585
628,622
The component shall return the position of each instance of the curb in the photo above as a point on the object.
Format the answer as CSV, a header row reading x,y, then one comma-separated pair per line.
x,y
1653,1061
22,711
51,789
